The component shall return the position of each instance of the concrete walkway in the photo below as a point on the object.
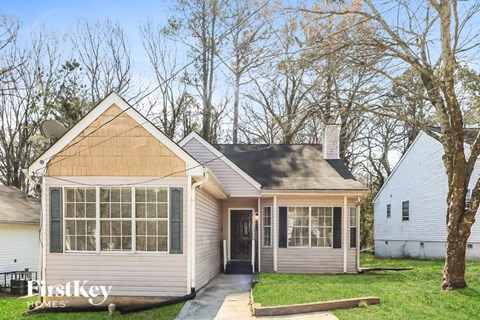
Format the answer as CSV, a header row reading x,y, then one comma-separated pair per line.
x,y
227,297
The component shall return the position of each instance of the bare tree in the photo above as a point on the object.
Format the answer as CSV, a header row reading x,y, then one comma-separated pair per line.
x,y
172,93
197,26
25,102
432,39
247,30
103,52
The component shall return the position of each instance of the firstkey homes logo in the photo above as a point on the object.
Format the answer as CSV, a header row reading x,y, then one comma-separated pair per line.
x,y
78,288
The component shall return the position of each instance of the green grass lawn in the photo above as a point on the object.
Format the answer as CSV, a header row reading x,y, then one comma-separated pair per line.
x,y
12,308
413,294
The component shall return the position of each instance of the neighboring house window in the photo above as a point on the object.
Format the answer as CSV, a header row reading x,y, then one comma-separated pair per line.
x,y
405,210
310,226
389,210
115,219
267,226
151,208
113,207
80,219
353,227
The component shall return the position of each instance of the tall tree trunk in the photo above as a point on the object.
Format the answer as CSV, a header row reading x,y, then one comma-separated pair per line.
x,y
236,102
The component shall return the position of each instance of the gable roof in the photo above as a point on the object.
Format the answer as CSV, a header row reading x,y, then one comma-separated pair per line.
x,y
18,207
291,167
470,134
220,156
194,168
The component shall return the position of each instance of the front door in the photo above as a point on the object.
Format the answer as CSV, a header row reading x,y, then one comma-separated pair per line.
x,y
241,234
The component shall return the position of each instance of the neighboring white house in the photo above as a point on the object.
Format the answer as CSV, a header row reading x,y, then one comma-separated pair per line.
x,y
19,231
410,209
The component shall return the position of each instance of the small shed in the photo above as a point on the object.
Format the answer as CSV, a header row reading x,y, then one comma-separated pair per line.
x,y
19,231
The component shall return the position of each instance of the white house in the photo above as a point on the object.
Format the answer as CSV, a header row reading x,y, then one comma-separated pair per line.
x,y
410,209
19,231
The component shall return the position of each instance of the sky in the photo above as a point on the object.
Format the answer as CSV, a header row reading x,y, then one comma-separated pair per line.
x,y
62,17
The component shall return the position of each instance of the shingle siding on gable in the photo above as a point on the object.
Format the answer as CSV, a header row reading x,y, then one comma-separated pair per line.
x,y
233,182
420,178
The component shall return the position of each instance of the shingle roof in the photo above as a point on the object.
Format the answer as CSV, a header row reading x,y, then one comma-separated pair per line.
x,y
18,207
290,167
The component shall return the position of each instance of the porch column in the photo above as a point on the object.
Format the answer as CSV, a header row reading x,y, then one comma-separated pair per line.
x,y
275,234
358,236
259,234
345,233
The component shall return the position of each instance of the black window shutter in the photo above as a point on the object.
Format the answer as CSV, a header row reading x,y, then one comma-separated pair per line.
x,y
176,217
353,237
56,218
282,227
337,227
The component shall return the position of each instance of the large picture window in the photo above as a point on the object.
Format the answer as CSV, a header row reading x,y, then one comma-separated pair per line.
x,y
267,226
310,226
151,206
80,219
115,219
321,224
122,219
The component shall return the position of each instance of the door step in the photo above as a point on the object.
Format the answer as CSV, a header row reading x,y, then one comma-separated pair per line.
x,y
239,267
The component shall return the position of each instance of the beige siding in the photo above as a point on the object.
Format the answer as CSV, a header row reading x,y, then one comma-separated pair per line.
x,y
208,243
266,260
120,148
237,185
19,247
146,274
316,260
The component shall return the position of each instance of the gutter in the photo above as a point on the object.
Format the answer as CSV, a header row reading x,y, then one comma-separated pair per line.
x,y
192,234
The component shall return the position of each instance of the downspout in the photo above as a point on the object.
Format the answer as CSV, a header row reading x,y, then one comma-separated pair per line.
x,y
345,233
43,234
193,233
188,287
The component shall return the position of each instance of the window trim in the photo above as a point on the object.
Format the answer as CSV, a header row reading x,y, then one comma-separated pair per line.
x,y
269,226
406,217
133,219
310,227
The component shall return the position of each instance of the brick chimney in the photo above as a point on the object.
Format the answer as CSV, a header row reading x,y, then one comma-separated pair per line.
x,y
331,141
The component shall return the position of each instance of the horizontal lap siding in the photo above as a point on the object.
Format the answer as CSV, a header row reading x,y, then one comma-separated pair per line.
x,y
208,237
140,274
129,275
266,260
233,182
316,260
21,243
